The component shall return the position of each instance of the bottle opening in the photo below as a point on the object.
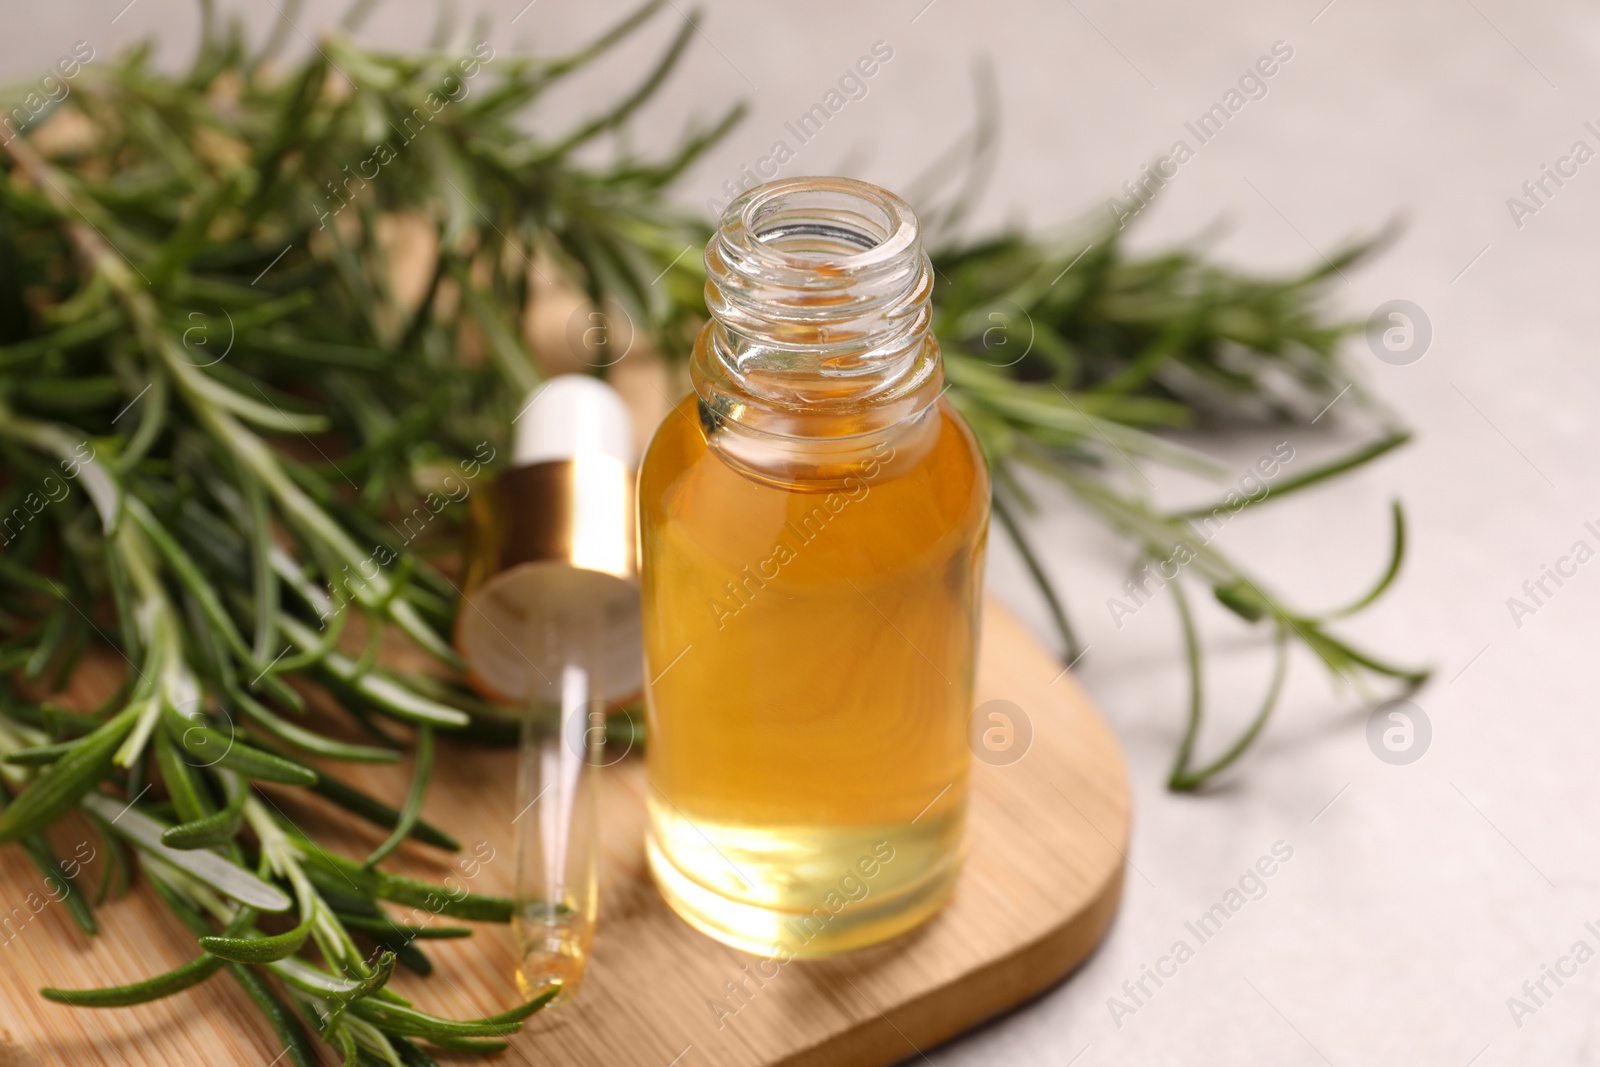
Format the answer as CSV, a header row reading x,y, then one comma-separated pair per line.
x,y
805,237
836,222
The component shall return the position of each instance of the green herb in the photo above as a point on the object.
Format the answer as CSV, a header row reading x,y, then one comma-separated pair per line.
x,y
413,808
227,428
1068,356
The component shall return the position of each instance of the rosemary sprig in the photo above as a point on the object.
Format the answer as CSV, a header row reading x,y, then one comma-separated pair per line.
x,y
204,343
1069,357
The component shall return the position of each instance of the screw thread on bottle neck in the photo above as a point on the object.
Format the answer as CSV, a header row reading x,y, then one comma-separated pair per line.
x,y
819,291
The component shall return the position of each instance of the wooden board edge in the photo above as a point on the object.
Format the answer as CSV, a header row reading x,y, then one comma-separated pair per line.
x,y
975,998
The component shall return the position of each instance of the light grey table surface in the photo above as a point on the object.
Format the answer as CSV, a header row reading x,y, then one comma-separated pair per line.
x,y
1418,898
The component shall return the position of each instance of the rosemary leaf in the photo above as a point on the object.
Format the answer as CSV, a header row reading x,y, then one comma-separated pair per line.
x,y
217,828
259,949
413,805
162,985
67,780
208,867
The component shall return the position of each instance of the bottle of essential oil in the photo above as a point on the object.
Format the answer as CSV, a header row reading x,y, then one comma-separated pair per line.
x,y
812,523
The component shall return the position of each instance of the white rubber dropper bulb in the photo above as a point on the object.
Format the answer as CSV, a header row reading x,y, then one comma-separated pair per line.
x,y
571,415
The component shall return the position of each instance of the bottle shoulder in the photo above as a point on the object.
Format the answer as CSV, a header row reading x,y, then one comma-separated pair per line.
x,y
934,474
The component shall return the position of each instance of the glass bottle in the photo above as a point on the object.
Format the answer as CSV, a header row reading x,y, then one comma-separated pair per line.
x,y
812,523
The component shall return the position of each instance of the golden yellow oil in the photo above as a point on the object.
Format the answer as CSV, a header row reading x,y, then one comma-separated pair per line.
x,y
810,644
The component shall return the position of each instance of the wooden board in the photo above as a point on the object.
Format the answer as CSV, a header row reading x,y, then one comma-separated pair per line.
x,y
1043,877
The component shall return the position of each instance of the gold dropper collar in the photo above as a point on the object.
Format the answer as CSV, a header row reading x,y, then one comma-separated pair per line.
x,y
551,540
578,511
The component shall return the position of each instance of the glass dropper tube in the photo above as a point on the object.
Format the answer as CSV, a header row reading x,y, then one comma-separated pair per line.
x,y
556,823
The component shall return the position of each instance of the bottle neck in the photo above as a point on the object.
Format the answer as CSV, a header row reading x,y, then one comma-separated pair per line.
x,y
819,293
